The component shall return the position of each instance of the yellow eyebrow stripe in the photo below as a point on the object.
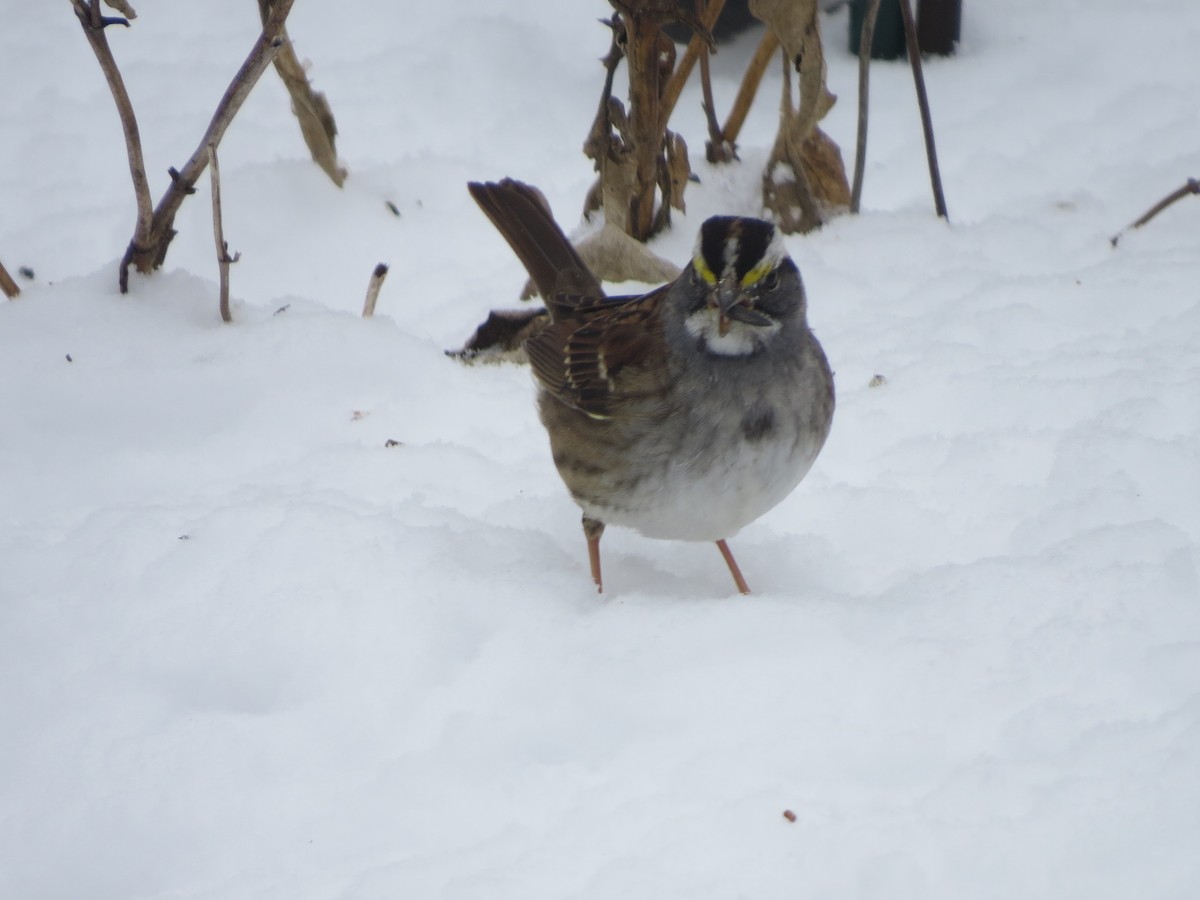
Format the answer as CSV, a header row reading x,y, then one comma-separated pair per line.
x,y
705,272
756,273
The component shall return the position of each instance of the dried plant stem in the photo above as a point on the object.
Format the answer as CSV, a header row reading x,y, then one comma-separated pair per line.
x,y
1191,186
670,94
317,125
719,150
749,87
94,24
223,257
914,59
864,68
373,287
646,133
7,285
148,254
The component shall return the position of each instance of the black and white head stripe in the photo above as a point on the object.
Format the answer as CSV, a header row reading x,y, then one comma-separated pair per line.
x,y
745,248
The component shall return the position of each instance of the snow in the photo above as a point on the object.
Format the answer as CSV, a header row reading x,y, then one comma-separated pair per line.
x,y
249,650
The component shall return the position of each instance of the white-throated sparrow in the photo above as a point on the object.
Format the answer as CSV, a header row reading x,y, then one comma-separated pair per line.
x,y
684,413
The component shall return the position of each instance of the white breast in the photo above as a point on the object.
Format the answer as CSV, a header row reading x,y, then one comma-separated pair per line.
x,y
740,340
715,491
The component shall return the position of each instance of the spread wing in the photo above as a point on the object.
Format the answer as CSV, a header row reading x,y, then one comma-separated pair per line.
x,y
598,360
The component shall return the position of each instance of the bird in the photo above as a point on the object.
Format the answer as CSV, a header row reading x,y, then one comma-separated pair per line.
x,y
684,413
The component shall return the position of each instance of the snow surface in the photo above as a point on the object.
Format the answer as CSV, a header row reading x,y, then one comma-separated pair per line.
x,y
247,650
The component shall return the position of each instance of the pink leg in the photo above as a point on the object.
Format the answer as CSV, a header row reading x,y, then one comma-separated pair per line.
x,y
738,580
592,529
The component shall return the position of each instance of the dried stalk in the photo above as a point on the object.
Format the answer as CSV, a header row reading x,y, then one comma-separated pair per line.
x,y
148,254
787,189
373,287
223,257
94,24
749,87
646,134
795,23
1191,186
864,68
683,70
804,180
914,58
310,107
717,150
7,285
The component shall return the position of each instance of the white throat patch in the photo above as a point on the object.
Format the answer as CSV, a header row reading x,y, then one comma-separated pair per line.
x,y
740,340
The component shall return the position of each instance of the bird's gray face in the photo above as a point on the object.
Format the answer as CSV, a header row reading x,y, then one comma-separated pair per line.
x,y
743,286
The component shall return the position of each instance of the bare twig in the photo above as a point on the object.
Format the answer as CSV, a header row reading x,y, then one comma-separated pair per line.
x,y
914,58
373,287
679,77
7,285
749,87
223,257
147,255
717,149
864,68
1191,186
93,24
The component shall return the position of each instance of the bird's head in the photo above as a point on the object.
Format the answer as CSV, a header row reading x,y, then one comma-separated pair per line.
x,y
742,288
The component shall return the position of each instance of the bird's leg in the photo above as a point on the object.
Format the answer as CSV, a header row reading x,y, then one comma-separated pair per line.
x,y
738,580
592,529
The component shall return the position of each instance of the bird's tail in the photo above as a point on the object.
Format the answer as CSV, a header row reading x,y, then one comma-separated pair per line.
x,y
522,215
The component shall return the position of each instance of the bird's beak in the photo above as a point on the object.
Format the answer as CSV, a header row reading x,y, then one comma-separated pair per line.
x,y
727,296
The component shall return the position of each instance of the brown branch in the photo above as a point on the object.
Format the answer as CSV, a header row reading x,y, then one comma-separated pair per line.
x,y
373,287
749,87
805,180
1191,186
718,150
679,77
147,255
93,28
795,23
644,117
914,58
7,285
317,125
864,68
223,257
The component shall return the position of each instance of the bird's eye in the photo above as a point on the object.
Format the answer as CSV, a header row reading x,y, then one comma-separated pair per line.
x,y
771,280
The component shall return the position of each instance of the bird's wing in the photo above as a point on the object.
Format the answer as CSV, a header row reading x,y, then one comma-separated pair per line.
x,y
608,355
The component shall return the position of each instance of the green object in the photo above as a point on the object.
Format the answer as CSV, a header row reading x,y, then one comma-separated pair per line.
x,y
888,42
938,26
